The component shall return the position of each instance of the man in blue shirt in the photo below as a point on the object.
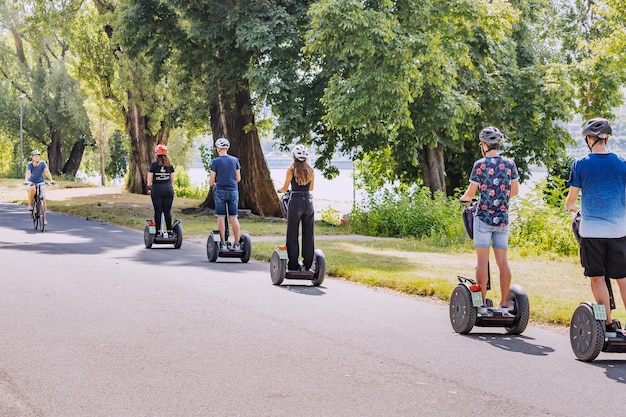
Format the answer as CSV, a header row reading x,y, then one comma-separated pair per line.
x,y
225,176
601,176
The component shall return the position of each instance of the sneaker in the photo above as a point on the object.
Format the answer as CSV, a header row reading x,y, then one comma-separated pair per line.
x,y
45,222
611,328
505,310
30,208
237,247
482,309
223,247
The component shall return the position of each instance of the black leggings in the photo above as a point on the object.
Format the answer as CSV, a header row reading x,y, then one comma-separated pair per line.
x,y
300,211
162,199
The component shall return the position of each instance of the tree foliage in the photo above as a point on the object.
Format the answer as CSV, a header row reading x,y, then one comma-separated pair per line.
x,y
34,60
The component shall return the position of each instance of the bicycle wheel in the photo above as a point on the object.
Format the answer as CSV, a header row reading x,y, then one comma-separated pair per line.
x,y
42,215
35,213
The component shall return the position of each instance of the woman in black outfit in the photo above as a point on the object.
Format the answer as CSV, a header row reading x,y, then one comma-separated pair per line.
x,y
300,177
160,179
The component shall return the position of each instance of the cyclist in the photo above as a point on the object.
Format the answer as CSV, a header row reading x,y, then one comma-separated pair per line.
x,y
160,179
301,177
601,176
497,180
35,171
225,176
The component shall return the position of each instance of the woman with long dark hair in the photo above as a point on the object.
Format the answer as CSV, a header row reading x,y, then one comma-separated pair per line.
x,y
300,179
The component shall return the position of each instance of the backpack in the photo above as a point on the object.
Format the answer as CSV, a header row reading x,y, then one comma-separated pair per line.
x,y
469,212
284,203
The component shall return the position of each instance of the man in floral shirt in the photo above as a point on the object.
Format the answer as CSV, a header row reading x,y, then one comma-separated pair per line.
x,y
498,180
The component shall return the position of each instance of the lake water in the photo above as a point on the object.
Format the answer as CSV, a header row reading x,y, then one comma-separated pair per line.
x,y
338,193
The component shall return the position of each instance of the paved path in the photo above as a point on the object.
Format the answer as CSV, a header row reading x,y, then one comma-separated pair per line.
x,y
93,324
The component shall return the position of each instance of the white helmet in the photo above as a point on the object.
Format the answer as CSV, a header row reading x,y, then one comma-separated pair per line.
x,y
300,152
222,143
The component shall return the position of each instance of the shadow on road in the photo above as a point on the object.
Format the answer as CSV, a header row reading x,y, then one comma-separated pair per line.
x,y
304,289
613,369
512,343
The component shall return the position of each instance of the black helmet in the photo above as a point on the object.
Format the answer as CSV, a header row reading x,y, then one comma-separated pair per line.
x,y
598,127
491,136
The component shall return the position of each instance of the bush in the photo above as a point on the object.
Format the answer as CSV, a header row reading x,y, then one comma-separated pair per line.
x,y
415,214
185,189
540,226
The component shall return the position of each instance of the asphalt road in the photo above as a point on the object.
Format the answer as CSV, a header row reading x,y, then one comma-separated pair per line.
x,y
94,324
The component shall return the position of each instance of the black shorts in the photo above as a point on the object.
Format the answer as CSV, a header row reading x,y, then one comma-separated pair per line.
x,y
603,257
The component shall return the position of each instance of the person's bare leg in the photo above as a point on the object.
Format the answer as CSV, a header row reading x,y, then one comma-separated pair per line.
x,y
482,269
31,195
505,274
601,294
221,226
621,282
234,221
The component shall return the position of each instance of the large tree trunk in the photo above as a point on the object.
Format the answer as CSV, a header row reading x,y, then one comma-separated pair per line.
x,y
256,189
142,149
55,159
76,156
434,168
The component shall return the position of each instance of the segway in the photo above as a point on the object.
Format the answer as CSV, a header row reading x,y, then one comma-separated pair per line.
x,y
173,237
466,302
213,250
587,330
279,272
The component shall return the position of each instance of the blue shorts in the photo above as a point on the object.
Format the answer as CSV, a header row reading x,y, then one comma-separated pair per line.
x,y
226,198
485,234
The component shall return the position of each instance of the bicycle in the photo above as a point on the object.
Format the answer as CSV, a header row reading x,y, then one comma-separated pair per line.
x,y
39,214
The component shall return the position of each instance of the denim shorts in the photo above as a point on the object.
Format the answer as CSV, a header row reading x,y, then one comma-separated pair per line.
x,y
485,234
226,198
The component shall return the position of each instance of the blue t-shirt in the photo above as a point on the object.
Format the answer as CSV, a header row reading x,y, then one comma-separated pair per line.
x,y
225,168
602,181
36,172
494,175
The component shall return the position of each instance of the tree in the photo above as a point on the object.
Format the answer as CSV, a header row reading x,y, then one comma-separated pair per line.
x,y
54,113
123,84
220,50
118,156
410,84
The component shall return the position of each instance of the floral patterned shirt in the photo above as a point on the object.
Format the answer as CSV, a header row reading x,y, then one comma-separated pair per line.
x,y
493,175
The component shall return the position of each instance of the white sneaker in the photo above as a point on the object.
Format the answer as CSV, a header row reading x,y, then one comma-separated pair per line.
x,y
237,247
223,247
505,310
482,309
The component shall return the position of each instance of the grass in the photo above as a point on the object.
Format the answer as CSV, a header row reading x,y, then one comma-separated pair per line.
x,y
555,286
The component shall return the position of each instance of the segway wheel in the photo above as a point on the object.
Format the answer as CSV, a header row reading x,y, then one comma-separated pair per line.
x,y
246,246
320,268
521,309
212,249
462,311
148,238
278,268
178,229
586,333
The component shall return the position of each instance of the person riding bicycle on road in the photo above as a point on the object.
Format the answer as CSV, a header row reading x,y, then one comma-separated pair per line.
x,y
35,171
225,176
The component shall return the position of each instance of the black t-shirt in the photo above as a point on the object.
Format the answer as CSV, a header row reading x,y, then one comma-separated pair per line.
x,y
162,175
